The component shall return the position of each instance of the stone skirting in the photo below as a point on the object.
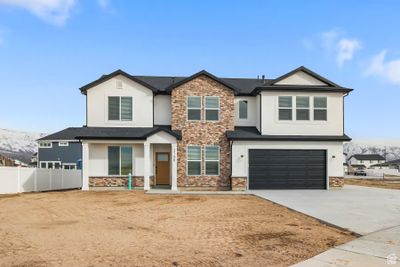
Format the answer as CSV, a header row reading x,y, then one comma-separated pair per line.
x,y
203,188
336,182
116,181
239,183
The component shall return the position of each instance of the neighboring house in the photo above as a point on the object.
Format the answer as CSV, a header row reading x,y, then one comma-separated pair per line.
x,y
204,132
33,161
393,164
345,168
6,161
366,159
59,150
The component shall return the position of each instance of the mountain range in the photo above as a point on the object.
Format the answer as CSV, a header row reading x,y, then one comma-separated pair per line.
x,y
22,145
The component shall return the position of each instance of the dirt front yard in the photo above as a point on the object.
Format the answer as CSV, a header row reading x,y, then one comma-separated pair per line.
x,y
133,229
387,183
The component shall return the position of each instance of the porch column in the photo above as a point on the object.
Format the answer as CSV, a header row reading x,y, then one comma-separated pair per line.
x,y
146,166
85,166
174,169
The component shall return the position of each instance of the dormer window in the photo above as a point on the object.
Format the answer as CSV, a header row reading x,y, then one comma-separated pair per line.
x,y
120,108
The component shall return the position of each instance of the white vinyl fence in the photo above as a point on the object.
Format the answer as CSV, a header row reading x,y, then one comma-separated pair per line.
x,y
381,172
17,179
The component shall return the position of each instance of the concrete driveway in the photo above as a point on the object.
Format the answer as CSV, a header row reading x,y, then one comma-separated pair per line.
x,y
362,210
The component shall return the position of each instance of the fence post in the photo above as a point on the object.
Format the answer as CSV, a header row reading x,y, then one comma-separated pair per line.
x,y
62,178
50,178
18,179
35,180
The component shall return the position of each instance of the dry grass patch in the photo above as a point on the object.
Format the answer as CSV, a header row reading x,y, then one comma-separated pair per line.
x,y
133,229
387,183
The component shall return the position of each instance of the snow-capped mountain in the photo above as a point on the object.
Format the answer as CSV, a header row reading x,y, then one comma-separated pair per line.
x,y
18,145
387,148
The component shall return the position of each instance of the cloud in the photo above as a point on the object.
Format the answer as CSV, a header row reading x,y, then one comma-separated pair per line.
x,y
389,70
346,49
52,11
103,3
333,44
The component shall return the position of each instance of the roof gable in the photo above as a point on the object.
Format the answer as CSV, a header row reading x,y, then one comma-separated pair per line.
x,y
367,157
198,74
305,76
107,77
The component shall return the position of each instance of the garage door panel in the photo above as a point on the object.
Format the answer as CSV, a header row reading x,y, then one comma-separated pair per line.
x,y
287,169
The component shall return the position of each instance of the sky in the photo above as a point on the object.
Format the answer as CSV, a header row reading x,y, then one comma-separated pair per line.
x,y
50,48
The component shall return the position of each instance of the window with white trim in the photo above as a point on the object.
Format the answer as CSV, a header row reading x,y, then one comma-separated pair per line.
x,y
193,108
285,108
212,160
50,164
212,108
45,145
120,108
302,108
69,166
194,160
120,159
243,105
63,143
320,108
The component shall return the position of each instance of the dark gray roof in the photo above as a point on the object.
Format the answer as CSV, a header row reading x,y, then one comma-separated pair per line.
x,y
251,133
120,133
242,86
367,157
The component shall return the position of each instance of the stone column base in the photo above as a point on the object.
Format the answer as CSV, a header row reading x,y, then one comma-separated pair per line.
x,y
239,183
336,182
115,181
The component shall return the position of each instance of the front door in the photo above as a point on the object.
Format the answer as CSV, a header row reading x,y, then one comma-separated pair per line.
x,y
162,168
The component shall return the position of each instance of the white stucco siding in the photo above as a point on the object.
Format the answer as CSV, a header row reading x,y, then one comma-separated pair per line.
x,y
301,78
271,125
162,110
252,115
97,103
241,148
98,159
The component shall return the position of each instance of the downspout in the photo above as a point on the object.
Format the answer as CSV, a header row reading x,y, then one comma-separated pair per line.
x,y
231,145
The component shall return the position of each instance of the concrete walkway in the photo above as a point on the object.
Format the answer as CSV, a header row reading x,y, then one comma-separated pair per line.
x,y
371,212
381,248
362,210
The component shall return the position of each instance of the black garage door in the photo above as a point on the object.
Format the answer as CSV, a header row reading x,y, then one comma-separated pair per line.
x,y
287,169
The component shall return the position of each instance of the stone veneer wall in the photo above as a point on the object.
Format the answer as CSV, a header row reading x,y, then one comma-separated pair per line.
x,y
336,181
203,132
239,183
116,181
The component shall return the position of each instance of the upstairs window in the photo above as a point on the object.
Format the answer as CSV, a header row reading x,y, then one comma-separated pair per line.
x,y
320,108
45,145
120,108
63,143
243,109
302,108
193,160
194,108
285,108
212,108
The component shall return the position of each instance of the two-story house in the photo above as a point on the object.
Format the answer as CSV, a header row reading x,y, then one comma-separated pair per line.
x,y
366,159
209,133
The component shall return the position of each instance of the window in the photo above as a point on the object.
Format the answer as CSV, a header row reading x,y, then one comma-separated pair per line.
x,y
120,108
320,108
45,145
63,143
120,160
302,108
212,108
285,108
69,166
194,108
243,109
50,164
212,160
194,160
